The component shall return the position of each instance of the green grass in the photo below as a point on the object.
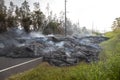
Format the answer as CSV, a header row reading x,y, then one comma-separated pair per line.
x,y
108,68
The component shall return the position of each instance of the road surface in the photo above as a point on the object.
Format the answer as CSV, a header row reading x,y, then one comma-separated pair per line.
x,y
10,66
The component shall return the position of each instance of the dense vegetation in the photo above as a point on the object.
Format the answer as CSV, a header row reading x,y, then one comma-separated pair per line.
x,y
35,20
108,68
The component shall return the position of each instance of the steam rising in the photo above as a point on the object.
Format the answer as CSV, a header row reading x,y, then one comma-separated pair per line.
x,y
36,34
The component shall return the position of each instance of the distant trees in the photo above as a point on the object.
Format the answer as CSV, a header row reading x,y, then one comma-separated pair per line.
x,y
53,25
15,15
116,24
32,20
28,18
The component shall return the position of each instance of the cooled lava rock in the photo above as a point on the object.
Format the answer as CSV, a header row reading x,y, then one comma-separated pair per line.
x,y
58,51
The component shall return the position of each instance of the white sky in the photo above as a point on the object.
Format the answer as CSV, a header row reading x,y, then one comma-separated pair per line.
x,y
101,13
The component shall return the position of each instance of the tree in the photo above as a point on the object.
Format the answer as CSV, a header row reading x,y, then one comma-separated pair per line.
x,y
48,9
53,25
25,16
11,9
76,29
53,28
69,27
37,17
26,24
49,13
116,24
25,9
3,8
11,16
69,24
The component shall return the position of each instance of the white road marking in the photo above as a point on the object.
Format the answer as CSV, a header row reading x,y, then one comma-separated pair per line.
x,y
19,64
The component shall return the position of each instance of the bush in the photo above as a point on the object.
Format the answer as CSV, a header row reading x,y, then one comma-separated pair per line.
x,y
53,28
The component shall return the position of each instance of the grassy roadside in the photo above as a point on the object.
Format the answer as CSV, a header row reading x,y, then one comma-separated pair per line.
x,y
108,68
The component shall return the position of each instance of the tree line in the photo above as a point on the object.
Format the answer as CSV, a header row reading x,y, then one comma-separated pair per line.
x,y
29,20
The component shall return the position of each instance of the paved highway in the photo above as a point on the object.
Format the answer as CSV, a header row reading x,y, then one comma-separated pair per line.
x,y
11,66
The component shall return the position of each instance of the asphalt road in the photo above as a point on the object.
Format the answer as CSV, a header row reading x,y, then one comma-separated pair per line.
x,y
10,66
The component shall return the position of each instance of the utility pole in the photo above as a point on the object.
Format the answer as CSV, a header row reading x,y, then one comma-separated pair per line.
x,y
92,28
65,20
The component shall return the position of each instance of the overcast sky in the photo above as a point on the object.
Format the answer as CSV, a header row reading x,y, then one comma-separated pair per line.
x,y
100,13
